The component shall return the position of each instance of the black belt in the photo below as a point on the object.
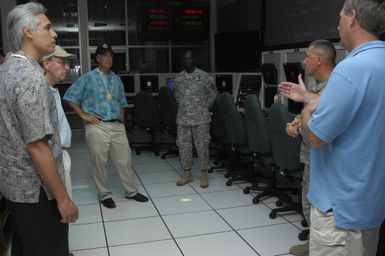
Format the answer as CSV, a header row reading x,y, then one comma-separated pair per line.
x,y
111,121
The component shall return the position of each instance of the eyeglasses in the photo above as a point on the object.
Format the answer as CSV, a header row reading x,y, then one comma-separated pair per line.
x,y
62,62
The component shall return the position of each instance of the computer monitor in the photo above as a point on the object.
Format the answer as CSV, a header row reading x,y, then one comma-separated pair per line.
x,y
248,84
149,83
170,82
292,70
224,83
270,92
128,83
269,73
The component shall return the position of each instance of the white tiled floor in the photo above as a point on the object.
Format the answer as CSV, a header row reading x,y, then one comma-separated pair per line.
x,y
188,220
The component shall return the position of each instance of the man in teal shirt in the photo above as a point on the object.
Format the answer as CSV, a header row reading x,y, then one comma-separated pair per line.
x,y
98,98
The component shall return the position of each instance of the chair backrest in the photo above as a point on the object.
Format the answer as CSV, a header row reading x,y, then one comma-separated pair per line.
x,y
217,126
286,149
258,135
168,107
233,120
146,111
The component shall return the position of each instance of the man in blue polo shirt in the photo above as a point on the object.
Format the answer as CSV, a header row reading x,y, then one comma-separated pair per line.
x,y
346,127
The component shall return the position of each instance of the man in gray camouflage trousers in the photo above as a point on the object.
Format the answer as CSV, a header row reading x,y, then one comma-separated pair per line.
x,y
319,62
195,93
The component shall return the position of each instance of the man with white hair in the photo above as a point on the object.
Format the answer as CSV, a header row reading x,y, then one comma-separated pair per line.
x,y
31,171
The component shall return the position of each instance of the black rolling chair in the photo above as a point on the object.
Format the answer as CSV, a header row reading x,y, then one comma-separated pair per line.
x,y
168,109
277,123
286,152
258,136
235,133
147,118
218,135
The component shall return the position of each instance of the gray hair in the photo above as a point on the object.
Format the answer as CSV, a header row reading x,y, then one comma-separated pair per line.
x,y
326,48
24,15
370,14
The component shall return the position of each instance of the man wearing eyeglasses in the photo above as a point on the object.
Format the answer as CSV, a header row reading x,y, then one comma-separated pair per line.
x,y
56,66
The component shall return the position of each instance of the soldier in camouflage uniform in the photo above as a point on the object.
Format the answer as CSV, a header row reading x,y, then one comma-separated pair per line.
x,y
319,62
195,93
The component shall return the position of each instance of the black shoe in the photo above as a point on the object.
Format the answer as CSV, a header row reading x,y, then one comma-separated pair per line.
x,y
108,203
138,197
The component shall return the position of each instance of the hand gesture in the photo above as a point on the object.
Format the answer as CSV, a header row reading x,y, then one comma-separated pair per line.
x,y
296,92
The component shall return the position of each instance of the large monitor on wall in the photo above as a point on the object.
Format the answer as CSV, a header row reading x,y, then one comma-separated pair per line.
x,y
128,83
269,73
237,51
295,23
149,83
224,83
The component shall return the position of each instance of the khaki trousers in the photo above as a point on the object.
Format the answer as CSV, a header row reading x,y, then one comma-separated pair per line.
x,y
110,140
327,239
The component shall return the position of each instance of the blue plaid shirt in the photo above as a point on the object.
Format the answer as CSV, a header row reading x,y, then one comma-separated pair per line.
x,y
90,92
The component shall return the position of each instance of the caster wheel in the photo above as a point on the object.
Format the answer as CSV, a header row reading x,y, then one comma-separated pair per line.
x,y
304,223
229,183
255,200
163,156
227,175
210,170
303,236
279,203
273,215
246,190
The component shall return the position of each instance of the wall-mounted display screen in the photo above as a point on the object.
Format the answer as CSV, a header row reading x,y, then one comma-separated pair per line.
x,y
174,23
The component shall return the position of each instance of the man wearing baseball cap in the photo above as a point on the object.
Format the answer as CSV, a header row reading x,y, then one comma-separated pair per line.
x,y
56,66
99,99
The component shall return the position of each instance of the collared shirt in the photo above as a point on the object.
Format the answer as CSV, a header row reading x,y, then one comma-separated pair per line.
x,y
348,173
195,94
91,90
28,113
64,127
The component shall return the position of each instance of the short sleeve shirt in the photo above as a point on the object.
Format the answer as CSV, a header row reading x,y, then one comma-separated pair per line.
x,y
90,92
28,113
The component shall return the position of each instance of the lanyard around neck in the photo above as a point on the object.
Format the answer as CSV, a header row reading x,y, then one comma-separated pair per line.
x,y
104,79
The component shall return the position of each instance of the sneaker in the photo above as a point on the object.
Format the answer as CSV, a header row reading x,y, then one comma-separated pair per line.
x,y
300,250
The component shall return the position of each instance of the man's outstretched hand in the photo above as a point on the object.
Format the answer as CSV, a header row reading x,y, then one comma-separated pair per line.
x,y
296,92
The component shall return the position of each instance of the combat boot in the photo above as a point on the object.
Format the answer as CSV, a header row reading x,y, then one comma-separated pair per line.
x,y
187,178
204,180
300,250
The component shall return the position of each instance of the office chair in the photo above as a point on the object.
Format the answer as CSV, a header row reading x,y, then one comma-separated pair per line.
x,y
147,117
258,136
286,152
218,135
235,133
168,109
